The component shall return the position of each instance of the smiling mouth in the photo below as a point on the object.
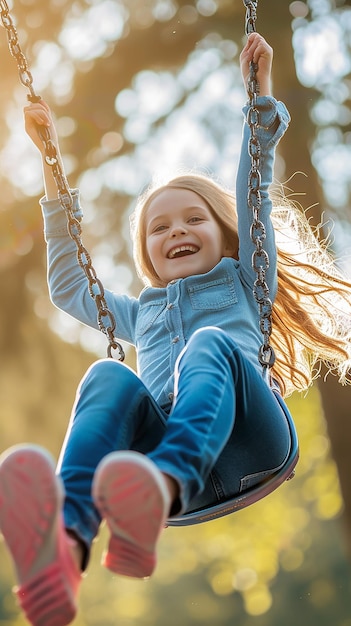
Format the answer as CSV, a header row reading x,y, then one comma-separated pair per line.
x,y
181,251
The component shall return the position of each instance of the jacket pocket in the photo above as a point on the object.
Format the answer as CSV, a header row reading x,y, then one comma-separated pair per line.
x,y
216,294
148,314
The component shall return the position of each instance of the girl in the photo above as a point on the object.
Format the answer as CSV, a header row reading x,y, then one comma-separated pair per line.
x,y
199,423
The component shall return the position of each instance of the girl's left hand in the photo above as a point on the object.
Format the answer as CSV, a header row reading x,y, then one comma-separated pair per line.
x,y
257,50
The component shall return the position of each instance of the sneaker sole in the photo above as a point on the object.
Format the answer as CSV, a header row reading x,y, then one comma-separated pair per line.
x,y
31,499
131,495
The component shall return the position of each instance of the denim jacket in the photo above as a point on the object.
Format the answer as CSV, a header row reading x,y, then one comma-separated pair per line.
x,y
160,321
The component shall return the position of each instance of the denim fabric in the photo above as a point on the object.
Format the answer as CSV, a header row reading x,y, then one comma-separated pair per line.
x,y
223,432
160,322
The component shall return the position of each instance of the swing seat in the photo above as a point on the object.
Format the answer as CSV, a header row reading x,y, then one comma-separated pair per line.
x,y
253,494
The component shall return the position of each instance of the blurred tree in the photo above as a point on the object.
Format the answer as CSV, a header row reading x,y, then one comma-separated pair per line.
x,y
296,151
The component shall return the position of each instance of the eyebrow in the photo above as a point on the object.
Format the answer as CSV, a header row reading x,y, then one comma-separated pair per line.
x,y
165,215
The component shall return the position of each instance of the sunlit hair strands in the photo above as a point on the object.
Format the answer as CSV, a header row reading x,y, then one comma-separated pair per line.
x,y
312,308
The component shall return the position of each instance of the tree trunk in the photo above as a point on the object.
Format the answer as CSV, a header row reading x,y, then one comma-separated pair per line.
x,y
336,399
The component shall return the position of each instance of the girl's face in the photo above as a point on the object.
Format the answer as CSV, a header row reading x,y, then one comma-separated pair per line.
x,y
182,236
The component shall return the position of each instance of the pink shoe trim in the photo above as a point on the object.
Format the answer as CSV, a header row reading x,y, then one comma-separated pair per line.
x,y
127,559
49,599
31,522
131,494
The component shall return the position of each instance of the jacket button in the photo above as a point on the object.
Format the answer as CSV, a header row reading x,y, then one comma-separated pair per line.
x,y
171,396
175,339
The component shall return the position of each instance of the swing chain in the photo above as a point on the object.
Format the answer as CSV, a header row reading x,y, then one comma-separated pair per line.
x,y
25,75
260,258
105,318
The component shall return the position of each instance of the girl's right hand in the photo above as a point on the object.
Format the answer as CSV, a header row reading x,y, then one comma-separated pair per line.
x,y
259,51
37,114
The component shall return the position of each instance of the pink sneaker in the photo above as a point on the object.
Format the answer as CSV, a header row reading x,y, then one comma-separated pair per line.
x,y
31,499
131,494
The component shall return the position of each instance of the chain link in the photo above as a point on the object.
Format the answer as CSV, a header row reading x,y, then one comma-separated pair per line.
x,y
105,318
25,76
260,259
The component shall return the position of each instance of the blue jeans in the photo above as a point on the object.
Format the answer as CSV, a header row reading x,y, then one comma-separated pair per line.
x,y
224,432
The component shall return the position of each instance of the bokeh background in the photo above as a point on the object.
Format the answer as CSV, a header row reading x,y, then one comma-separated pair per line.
x,y
142,88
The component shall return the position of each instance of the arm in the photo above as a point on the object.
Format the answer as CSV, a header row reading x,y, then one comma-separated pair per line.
x,y
65,277
273,122
35,115
68,284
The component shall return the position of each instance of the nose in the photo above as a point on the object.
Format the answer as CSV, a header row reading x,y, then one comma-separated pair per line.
x,y
177,231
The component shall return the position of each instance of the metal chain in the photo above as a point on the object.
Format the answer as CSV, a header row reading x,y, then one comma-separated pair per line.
x,y
260,259
105,317
25,76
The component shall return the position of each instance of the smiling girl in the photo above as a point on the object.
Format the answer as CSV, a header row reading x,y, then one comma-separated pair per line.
x,y
183,237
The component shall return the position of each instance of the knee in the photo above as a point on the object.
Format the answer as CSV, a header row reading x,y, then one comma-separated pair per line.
x,y
109,373
211,342
211,336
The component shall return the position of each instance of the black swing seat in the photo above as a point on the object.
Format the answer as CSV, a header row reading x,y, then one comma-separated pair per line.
x,y
253,494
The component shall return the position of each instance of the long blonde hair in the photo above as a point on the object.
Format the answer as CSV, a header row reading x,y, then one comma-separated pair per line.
x,y
312,309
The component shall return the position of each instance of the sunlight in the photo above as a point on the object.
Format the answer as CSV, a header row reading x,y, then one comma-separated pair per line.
x,y
205,85
164,10
48,58
206,7
320,52
153,95
86,36
27,179
323,61
333,164
258,600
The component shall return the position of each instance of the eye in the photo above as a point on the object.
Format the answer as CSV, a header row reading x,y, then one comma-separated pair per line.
x,y
159,228
195,218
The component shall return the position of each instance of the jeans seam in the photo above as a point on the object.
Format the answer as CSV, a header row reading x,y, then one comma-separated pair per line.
x,y
217,484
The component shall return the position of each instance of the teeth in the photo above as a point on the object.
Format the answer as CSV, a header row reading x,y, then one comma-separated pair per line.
x,y
179,249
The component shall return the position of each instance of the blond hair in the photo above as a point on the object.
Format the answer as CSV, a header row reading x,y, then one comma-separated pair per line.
x,y
312,309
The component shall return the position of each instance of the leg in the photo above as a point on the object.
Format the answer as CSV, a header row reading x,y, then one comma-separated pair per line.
x,y
113,411
220,398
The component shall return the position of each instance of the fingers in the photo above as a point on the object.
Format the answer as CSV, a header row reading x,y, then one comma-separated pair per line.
x,y
38,112
258,51
38,115
256,47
